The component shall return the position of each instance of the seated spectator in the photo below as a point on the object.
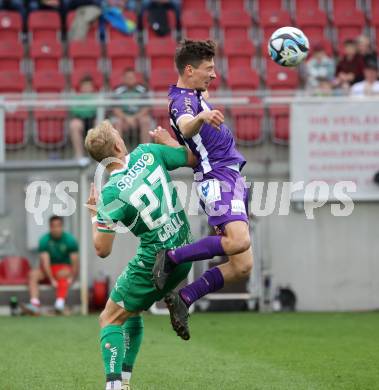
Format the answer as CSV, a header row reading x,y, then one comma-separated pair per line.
x,y
82,117
320,66
365,49
59,266
370,85
129,118
87,12
113,14
35,5
13,5
350,66
157,11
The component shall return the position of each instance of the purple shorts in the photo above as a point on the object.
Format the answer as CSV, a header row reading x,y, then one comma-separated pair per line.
x,y
224,197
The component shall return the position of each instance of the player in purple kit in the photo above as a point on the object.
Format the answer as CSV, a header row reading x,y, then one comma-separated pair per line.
x,y
222,190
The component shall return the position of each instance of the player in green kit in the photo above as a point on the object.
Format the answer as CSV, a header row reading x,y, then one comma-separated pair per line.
x,y
138,197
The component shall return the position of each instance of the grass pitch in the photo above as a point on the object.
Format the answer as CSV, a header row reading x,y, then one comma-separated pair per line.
x,y
227,351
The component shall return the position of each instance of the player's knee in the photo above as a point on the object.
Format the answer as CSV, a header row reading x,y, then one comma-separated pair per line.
x,y
242,244
33,275
243,269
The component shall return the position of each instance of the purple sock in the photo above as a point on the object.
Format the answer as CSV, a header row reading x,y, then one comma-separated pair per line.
x,y
211,280
204,249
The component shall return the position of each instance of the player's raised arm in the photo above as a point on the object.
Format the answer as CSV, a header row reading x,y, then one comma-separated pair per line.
x,y
162,136
189,127
102,240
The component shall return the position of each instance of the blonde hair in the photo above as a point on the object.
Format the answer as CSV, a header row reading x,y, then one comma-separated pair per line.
x,y
100,141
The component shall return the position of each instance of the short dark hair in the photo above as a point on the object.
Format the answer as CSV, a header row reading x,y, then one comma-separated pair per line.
x,y
87,78
55,218
193,53
350,42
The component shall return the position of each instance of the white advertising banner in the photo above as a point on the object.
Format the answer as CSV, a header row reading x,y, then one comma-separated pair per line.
x,y
334,142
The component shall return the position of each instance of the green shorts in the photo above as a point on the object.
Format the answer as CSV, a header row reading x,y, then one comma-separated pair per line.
x,y
134,288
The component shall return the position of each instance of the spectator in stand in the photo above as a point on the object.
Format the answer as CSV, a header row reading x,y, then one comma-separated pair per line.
x,y
319,67
366,51
59,266
82,117
129,118
58,5
350,66
87,12
113,13
157,11
370,85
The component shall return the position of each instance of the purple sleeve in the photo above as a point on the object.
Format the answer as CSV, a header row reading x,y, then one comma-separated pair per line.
x,y
185,104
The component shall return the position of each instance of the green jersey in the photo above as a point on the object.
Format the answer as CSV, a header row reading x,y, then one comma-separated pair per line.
x,y
141,198
60,249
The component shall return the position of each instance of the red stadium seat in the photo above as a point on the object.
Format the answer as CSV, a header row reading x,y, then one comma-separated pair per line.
x,y
10,25
311,18
161,51
15,133
46,54
112,33
227,5
117,78
242,79
12,82
77,76
278,77
122,53
161,79
343,5
306,6
280,123
271,21
247,124
11,54
194,4
44,24
344,33
349,18
84,54
239,52
48,81
267,6
197,23
14,270
93,32
49,129
374,13
235,23
161,117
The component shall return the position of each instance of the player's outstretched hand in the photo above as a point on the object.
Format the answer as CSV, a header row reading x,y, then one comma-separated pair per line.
x,y
163,137
92,199
214,118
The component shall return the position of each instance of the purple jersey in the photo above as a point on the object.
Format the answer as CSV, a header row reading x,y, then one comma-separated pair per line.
x,y
213,148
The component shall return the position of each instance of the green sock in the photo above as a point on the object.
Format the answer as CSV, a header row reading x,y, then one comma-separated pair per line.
x,y
112,350
133,335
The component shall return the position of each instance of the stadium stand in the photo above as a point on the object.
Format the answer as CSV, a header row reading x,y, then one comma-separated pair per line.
x,y
49,128
122,53
85,54
239,52
14,270
48,81
197,23
15,130
11,55
242,79
10,25
159,53
46,54
160,79
93,32
77,75
280,124
12,82
235,23
44,25
247,124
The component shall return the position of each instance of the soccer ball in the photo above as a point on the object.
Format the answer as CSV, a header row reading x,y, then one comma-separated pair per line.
x,y
288,46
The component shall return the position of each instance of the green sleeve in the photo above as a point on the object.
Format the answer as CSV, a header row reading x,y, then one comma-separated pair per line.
x,y
72,244
172,157
110,210
42,245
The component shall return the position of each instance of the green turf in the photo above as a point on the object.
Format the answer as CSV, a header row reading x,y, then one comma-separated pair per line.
x,y
227,351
